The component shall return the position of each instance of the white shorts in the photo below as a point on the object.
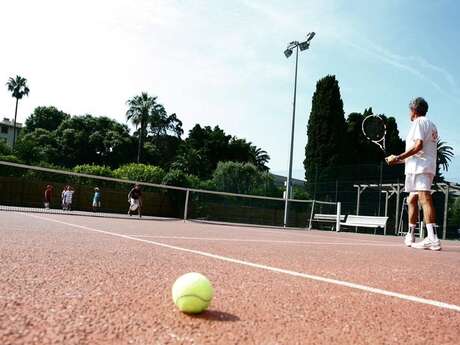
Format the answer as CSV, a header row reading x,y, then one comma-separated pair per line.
x,y
134,204
418,182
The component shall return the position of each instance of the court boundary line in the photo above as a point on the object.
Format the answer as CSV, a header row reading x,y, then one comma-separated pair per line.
x,y
265,241
354,236
368,289
302,232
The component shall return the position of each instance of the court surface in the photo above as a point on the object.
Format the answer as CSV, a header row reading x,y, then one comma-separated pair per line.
x,y
67,279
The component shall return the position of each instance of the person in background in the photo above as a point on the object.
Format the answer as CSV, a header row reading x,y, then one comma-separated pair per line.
x,y
62,197
48,196
135,200
68,196
96,199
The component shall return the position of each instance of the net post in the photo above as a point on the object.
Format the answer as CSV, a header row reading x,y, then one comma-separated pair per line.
x,y
337,227
187,193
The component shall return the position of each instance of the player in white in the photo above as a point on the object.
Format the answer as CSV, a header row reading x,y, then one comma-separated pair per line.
x,y
420,169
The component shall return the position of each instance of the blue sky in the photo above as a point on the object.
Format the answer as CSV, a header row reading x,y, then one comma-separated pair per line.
x,y
222,63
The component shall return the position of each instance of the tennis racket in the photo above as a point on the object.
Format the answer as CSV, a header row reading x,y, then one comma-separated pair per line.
x,y
375,130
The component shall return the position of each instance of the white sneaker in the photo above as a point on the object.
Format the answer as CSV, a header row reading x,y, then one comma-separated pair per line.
x,y
409,239
427,244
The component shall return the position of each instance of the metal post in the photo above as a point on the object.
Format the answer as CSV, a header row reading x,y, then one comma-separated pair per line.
x,y
386,212
339,207
311,214
358,200
446,205
289,177
186,204
398,190
380,188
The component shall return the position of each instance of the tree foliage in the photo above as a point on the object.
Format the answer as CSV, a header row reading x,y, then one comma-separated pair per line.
x,y
445,153
176,177
205,147
48,118
242,178
140,172
38,146
326,126
18,88
93,169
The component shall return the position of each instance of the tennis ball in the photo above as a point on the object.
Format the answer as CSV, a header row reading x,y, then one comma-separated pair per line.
x,y
192,293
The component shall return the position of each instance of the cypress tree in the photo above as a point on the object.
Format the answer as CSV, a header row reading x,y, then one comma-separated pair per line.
x,y
326,127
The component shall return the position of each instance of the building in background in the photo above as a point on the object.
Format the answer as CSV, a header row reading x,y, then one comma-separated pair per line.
x,y
7,130
280,181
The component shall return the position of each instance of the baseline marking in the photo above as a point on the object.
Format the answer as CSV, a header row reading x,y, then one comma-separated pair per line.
x,y
351,285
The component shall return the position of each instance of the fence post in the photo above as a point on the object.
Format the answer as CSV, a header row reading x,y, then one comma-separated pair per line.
x,y
398,191
380,188
337,227
446,206
386,212
186,204
311,214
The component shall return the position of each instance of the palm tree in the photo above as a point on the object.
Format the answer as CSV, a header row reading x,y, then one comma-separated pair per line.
x,y
444,157
139,113
19,89
260,157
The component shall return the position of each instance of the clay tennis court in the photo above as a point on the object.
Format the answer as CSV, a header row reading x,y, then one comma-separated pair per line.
x,y
67,279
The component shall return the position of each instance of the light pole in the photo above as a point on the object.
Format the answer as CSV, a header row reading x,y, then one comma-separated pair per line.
x,y
288,52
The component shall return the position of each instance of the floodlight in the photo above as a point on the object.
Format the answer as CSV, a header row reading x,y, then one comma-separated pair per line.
x,y
304,45
288,52
310,36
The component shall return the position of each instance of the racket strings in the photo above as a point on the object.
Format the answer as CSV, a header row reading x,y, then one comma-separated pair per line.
x,y
374,128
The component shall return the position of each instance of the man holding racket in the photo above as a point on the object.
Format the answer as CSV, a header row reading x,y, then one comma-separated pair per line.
x,y
420,169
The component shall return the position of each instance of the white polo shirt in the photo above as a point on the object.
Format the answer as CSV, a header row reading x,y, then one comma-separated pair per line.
x,y
424,162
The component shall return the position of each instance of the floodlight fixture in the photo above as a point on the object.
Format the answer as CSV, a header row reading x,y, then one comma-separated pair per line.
x,y
288,52
304,45
310,36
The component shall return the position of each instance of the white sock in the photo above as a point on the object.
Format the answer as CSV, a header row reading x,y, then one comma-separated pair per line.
x,y
431,232
412,229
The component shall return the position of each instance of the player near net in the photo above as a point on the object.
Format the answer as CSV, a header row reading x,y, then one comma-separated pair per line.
x,y
135,200
420,167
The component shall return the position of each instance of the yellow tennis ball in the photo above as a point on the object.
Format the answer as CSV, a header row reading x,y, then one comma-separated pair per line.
x,y
192,293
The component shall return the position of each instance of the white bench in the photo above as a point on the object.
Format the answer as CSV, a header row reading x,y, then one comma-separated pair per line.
x,y
365,222
329,218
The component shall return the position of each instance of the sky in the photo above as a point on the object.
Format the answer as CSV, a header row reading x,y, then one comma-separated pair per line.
x,y
222,63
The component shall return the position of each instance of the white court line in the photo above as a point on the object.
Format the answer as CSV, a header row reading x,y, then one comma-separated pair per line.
x,y
265,241
351,243
351,285
296,232
352,236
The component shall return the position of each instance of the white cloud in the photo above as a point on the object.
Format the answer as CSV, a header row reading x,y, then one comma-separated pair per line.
x,y
415,65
